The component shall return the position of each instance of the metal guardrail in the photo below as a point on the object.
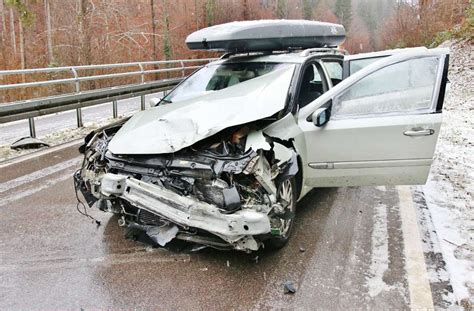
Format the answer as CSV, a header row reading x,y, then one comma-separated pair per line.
x,y
29,109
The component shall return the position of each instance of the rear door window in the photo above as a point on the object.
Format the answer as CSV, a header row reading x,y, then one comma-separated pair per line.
x,y
334,70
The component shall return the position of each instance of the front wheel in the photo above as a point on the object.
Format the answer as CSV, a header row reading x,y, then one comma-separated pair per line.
x,y
287,196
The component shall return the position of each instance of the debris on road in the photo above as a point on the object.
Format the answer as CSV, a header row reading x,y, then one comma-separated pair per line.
x,y
28,143
162,235
289,287
197,248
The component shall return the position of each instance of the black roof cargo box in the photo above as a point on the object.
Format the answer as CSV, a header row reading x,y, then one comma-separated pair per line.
x,y
266,35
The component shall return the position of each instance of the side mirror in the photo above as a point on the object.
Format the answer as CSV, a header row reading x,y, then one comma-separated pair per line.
x,y
321,116
154,101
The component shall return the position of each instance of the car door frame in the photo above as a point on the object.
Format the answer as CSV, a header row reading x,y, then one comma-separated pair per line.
x,y
297,86
334,59
304,115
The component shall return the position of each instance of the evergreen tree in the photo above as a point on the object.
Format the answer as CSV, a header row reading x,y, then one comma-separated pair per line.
x,y
26,16
167,48
308,9
282,9
367,12
343,10
210,12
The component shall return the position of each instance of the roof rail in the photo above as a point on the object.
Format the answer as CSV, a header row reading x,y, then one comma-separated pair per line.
x,y
254,53
324,50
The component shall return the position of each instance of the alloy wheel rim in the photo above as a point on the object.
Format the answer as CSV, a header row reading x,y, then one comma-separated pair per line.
x,y
286,194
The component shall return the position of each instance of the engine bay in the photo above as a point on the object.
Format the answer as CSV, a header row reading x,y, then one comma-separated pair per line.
x,y
235,175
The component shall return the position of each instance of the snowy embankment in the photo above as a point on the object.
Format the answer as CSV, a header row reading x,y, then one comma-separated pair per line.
x,y
449,190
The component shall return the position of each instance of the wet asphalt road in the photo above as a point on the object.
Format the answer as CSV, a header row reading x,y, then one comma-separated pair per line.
x,y
346,252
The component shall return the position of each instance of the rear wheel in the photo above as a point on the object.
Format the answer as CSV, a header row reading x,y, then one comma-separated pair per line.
x,y
287,197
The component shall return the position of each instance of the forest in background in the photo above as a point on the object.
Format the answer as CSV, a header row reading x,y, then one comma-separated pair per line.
x,y
42,33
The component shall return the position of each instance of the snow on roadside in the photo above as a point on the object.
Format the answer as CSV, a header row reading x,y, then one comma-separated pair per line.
x,y
380,258
450,187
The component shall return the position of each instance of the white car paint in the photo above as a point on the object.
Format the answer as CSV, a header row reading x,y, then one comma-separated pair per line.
x,y
172,127
370,150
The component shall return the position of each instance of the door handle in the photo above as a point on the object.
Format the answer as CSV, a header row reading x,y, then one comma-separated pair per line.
x,y
419,132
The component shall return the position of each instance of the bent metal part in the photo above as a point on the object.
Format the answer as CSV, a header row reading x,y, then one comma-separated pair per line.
x,y
222,194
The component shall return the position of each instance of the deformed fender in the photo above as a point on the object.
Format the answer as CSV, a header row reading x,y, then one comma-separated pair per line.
x,y
287,130
290,170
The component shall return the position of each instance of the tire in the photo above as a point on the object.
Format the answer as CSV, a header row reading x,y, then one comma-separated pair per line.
x,y
280,241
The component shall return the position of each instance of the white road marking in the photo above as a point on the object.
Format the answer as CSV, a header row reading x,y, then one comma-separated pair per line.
x,y
417,276
20,195
379,263
8,185
70,262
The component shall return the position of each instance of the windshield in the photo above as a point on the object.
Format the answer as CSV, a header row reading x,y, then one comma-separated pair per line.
x,y
216,77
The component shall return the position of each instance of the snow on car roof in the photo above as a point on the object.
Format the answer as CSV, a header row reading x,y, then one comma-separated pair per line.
x,y
266,35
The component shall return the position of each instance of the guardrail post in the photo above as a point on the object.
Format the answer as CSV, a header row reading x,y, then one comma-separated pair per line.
x,y
79,117
142,75
114,109
31,123
182,69
142,102
142,80
78,90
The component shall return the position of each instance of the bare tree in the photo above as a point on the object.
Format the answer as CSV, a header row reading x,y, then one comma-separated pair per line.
x,y
4,26
49,35
12,31
153,27
85,56
4,30
22,46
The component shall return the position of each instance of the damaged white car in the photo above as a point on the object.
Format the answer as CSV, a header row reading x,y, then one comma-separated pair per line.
x,y
223,158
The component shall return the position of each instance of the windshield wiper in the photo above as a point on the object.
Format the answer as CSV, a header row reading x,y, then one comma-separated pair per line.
x,y
167,101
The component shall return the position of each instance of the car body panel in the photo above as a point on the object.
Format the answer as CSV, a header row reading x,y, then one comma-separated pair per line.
x,y
372,149
171,127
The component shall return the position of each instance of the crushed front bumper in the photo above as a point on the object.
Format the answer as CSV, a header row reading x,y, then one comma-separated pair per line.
x,y
236,228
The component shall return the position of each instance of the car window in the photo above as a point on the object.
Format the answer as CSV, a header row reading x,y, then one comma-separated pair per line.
x,y
334,70
403,87
357,64
312,84
317,76
216,77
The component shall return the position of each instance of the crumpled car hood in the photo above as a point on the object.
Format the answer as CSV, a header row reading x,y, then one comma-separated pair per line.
x,y
171,127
